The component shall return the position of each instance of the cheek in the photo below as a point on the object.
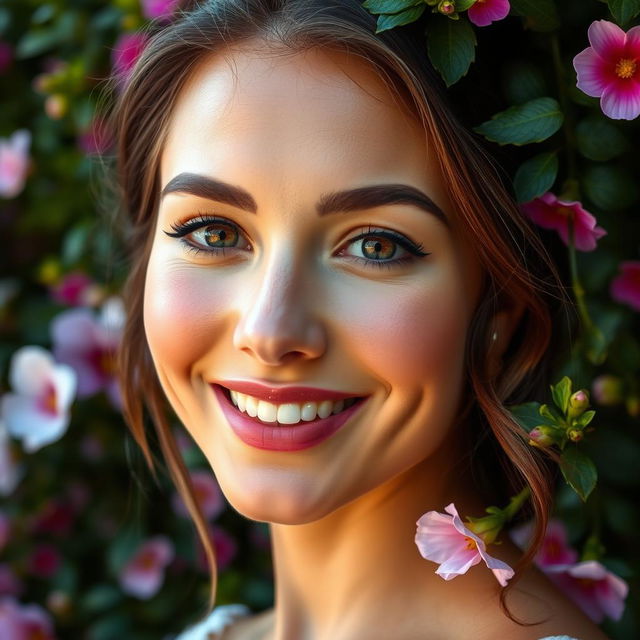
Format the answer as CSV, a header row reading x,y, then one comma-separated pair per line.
x,y
183,310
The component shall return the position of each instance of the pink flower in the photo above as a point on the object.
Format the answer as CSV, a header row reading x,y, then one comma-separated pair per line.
x,y
607,390
208,496
125,54
484,12
44,561
6,56
625,287
158,9
24,622
14,163
88,344
225,549
143,575
72,289
554,550
38,411
550,213
610,69
444,539
595,590
55,518
10,584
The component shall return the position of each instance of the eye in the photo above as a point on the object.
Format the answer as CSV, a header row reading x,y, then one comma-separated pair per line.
x,y
382,247
210,234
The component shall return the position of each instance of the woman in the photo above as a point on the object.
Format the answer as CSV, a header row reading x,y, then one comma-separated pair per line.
x,y
337,297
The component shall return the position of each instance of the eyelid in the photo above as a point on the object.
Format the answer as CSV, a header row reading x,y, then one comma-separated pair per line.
x,y
414,248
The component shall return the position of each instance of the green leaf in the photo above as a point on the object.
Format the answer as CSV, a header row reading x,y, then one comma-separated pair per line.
x,y
624,10
561,393
535,176
463,5
527,415
533,121
451,45
389,6
541,15
586,418
599,139
610,187
579,471
523,81
550,415
405,17
597,345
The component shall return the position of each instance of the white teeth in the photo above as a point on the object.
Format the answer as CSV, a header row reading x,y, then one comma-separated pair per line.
x,y
267,412
288,413
309,411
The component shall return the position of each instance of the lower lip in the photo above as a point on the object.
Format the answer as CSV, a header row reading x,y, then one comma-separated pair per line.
x,y
281,438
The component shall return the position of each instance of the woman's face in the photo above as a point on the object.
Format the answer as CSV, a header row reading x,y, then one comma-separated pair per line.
x,y
278,260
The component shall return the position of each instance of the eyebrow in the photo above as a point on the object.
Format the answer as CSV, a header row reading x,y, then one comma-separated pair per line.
x,y
329,203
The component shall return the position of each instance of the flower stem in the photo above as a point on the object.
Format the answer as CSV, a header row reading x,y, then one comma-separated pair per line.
x,y
516,503
578,289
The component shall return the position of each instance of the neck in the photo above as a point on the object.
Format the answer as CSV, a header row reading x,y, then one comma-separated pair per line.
x,y
358,569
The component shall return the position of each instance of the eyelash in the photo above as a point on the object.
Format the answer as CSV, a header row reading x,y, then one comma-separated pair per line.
x,y
183,229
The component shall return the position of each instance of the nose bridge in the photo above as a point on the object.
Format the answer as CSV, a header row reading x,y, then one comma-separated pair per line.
x,y
276,321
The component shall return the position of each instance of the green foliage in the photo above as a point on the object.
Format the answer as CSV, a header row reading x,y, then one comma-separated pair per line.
x,y
451,46
599,139
398,19
527,414
624,10
533,121
541,15
561,393
536,176
389,6
578,471
609,187
524,81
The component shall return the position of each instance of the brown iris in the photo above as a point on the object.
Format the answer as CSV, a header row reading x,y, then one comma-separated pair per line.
x,y
221,236
377,248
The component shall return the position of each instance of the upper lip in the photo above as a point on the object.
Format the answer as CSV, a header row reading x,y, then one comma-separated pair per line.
x,y
282,395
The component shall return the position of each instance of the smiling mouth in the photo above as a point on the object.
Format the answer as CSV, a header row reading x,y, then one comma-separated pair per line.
x,y
288,413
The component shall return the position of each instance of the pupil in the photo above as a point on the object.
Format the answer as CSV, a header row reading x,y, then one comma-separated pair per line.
x,y
379,249
220,237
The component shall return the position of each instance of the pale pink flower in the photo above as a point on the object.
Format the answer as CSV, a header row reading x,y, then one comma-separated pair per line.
x,y
208,495
484,12
555,548
10,472
610,69
158,9
38,411
14,163
444,539
125,54
625,287
10,620
88,342
597,591
24,622
143,575
550,213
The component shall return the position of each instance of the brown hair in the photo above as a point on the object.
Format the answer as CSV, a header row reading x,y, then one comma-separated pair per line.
x,y
516,265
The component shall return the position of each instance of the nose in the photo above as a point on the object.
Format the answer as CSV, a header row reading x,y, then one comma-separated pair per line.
x,y
277,324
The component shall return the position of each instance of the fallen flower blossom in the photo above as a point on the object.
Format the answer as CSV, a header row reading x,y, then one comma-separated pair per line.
x,y
444,539
549,212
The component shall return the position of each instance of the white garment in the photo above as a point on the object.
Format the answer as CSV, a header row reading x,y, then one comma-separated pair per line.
x,y
224,615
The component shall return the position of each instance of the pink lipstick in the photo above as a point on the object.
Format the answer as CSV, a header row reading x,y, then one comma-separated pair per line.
x,y
273,436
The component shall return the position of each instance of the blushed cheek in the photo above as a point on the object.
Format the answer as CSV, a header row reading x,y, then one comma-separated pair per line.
x,y
183,310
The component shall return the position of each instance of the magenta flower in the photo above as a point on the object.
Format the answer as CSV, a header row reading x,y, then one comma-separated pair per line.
x,y
158,9
554,550
6,57
444,539
88,344
125,54
44,561
225,548
97,139
610,69
625,287
484,12
208,495
24,622
597,591
14,163
550,213
38,411
143,575
73,289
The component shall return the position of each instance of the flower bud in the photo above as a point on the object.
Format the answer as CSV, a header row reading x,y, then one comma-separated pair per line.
x,y
607,390
575,435
542,437
56,106
447,7
578,403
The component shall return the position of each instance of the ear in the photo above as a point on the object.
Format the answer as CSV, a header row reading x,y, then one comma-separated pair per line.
x,y
502,328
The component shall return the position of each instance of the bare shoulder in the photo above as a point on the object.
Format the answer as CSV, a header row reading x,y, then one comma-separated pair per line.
x,y
257,627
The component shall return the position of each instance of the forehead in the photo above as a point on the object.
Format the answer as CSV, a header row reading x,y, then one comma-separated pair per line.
x,y
278,117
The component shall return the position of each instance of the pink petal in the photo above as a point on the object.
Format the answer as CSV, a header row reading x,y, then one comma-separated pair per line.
x,y
626,286
592,72
30,370
501,570
621,100
484,12
458,563
632,43
436,537
606,38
